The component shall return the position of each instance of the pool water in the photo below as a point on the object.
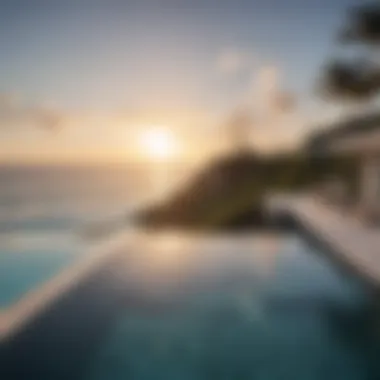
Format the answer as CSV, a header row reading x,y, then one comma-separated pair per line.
x,y
246,307
30,259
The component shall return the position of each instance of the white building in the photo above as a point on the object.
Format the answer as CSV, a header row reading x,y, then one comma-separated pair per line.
x,y
359,137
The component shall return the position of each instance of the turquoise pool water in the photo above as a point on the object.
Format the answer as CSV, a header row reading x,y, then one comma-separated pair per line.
x,y
30,259
256,307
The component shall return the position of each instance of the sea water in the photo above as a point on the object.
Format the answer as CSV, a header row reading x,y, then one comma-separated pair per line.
x,y
45,209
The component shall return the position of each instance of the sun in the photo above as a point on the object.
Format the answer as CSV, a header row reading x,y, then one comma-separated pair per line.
x,y
158,143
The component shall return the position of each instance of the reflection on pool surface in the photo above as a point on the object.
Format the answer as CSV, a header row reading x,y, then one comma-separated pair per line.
x,y
248,307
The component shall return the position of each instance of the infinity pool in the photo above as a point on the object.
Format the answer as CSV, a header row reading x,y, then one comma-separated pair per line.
x,y
261,306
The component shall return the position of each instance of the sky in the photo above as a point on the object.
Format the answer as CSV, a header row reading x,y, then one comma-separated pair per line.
x,y
79,79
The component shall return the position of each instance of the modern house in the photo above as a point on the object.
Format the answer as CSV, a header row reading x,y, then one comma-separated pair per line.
x,y
350,234
360,138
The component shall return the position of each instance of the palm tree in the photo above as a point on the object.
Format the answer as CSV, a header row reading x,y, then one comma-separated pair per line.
x,y
363,25
354,82
357,80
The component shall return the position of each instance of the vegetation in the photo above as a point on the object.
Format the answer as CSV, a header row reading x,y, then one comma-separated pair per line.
x,y
232,189
356,80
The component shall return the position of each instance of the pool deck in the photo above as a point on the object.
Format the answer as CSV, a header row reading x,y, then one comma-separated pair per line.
x,y
353,243
35,301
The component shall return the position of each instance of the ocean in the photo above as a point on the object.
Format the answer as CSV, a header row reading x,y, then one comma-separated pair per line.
x,y
45,209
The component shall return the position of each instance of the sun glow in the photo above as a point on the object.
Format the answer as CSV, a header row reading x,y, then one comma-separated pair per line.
x,y
158,143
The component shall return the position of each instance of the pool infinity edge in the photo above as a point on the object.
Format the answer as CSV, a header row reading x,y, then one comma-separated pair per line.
x,y
35,301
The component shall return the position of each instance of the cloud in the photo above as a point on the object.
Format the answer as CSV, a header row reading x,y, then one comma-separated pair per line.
x,y
283,102
14,113
231,62
49,118
265,84
256,106
268,79
266,114
268,94
8,101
